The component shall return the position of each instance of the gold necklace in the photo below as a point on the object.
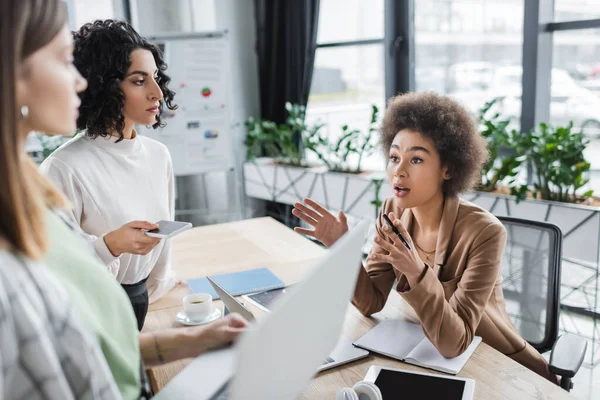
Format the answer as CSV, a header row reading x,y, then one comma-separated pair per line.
x,y
427,253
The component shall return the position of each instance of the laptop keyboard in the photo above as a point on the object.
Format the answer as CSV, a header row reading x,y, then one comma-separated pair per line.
x,y
328,361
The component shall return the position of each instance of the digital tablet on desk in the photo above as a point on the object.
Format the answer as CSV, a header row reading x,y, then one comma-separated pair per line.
x,y
402,384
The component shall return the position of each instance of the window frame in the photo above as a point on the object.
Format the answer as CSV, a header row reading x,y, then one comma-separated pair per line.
x,y
398,46
538,33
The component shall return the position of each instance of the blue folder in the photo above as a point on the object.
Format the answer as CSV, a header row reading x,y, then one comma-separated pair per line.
x,y
238,283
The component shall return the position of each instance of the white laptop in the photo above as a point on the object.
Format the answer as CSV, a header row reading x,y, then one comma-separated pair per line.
x,y
279,354
344,352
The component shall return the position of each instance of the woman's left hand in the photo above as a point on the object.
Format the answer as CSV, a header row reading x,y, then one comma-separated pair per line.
x,y
406,261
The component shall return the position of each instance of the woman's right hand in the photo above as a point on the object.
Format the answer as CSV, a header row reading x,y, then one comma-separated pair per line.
x,y
218,334
328,228
174,344
131,239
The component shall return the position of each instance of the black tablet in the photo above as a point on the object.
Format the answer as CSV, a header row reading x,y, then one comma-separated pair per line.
x,y
396,383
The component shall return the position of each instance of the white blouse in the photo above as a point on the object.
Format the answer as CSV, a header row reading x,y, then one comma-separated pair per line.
x,y
110,184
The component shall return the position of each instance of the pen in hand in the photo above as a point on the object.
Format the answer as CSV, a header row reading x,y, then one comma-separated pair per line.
x,y
396,231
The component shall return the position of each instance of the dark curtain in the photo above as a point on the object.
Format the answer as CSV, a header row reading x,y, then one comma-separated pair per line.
x,y
286,43
286,39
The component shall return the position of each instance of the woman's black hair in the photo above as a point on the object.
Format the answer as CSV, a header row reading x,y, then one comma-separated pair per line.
x,y
103,55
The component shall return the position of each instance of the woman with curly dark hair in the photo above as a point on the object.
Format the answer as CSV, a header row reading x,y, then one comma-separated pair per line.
x,y
119,182
449,271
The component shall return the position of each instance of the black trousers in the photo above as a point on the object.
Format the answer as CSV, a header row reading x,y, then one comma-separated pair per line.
x,y
138,296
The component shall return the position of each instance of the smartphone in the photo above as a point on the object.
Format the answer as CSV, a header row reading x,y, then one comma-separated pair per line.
x,y
168,229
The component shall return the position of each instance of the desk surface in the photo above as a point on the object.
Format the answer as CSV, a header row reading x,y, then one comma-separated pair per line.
x,y
265,242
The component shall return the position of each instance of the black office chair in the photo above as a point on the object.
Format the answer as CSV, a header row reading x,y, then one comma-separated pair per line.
x,y
531,270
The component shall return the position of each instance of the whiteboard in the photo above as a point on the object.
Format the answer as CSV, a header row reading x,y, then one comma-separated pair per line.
x,y
199,132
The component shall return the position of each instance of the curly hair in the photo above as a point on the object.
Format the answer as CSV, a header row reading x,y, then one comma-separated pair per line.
x,y
460,146
103,55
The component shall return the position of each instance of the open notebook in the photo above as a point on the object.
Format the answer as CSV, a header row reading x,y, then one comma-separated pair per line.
x,y
406,342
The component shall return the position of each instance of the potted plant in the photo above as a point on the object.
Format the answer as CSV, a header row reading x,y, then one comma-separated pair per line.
x,y
554,156
336,153
346,185
557,168
504,163
45,145
276,167
278,141
339,184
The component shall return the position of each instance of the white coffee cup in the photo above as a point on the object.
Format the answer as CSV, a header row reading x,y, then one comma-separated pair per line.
x,y
198,306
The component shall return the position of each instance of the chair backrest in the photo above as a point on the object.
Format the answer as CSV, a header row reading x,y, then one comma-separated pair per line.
x,y
531,279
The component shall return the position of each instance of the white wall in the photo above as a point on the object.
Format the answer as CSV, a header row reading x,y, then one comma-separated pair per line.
x,y
204,17
237,17
153,17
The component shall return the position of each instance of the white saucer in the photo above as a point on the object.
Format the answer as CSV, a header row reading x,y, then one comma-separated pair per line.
x,y
182,318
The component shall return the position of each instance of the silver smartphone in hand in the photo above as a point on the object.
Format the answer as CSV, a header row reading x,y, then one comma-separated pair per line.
x,y
168,229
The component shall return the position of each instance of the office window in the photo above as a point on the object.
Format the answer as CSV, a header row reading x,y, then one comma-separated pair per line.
x,y
576,10
348,20
349,73
471,50
576,89
346,81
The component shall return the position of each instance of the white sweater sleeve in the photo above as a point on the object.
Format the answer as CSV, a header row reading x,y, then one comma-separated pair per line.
x,y
63,177
162,276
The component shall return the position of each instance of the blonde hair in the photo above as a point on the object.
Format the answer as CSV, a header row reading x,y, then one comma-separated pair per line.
x,y
25,27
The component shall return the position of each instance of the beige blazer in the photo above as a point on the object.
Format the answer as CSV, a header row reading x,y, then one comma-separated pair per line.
x,y
460,296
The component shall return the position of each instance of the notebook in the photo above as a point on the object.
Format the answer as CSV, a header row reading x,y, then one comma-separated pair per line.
x,y
238,283
406,342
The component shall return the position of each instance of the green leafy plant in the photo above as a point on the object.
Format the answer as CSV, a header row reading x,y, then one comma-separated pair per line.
x,y
504,163
559,166
261,139
335,154
286,142
49,144
280,141
554,154
377,183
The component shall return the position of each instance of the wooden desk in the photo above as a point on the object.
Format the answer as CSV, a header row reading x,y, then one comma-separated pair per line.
x,y
264,242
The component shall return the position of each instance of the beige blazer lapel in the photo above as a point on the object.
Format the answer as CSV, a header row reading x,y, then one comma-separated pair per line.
x,y
449,215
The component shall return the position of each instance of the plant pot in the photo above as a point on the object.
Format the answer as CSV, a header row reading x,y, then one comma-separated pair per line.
x,y
580,224
259,179
355,194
